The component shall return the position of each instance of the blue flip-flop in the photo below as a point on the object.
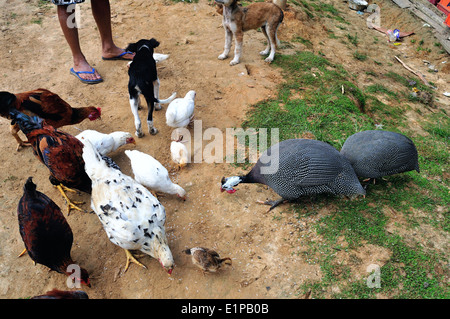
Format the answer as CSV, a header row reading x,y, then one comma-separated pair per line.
x,y
77,74
119,57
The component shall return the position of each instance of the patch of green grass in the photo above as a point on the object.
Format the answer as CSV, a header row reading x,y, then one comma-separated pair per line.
x,y
353,39
379,88
37,21
359,56
322,100
323,111
302,41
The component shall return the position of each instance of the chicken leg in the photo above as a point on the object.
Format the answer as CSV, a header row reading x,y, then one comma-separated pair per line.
x,y
70,204
131,259
14,129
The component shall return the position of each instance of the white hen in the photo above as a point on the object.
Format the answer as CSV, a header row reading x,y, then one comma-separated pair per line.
x,y
106,143
131,216
180,154
181,110
151,173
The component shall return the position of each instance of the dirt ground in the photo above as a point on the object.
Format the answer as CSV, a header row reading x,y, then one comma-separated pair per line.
x,y
266,251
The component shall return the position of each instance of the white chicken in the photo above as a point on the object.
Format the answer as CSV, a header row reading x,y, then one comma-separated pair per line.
x,y
131,216
179,153
152,174
180,111
106,143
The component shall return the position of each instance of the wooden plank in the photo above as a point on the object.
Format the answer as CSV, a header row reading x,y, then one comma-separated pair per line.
x,y
403,3
439,27
431,15
430,10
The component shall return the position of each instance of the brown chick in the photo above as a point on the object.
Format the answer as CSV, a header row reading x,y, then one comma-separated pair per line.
x,y
206,259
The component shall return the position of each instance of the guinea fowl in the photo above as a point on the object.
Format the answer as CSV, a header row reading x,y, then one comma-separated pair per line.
x,y
45,232
59,151
376,153
48,106
152,174
180,111
206,259
131,216
106,143
300,167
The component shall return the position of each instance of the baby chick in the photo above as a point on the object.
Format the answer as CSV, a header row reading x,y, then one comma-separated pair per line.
x,y
206,259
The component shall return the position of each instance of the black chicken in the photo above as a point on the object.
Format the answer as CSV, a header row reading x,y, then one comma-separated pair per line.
x,y
59,151
45,232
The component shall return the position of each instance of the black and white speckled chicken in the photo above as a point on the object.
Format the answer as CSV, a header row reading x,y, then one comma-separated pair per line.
x,y
45,232
131,216
300,167
206,259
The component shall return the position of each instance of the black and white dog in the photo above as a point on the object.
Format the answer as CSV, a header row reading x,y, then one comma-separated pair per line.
x,y
144,80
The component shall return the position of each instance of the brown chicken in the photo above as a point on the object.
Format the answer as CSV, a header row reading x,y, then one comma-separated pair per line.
x,y
48,106
59,151
62,294
45,232
206,259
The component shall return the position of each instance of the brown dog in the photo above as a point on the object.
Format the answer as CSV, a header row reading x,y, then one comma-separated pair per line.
x,y
236,20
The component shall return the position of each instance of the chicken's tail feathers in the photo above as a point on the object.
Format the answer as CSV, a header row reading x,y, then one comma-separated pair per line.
x,y
92,159
25,122
168,100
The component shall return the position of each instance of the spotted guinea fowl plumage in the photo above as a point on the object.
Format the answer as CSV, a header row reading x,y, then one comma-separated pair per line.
x,y
305,167
377,153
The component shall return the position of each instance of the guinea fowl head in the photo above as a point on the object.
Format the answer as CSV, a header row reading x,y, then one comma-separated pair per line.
x,y
228,184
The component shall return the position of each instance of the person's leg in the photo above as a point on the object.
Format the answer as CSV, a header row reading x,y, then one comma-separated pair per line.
x,y
101,10
71,35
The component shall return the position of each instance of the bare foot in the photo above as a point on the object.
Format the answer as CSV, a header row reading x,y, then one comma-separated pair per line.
x,y
116,51
85,67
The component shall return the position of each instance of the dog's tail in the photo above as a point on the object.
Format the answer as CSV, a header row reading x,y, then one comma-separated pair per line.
x,y
168,100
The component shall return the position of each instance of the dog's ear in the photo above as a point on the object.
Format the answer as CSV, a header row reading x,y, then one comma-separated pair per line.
x,y
154,43
132,47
